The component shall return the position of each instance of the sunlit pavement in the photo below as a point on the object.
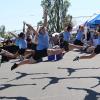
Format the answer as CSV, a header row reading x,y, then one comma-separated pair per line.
x,y
56,80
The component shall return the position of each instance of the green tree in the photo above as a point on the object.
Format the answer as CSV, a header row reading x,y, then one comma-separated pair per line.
x,y
3,33
57,14
2,30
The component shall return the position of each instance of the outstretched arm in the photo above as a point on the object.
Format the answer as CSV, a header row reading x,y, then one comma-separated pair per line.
x,y
45,17
23,27
35,39
30,27
13,34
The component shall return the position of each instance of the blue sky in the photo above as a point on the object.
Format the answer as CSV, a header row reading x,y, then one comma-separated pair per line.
x,y
14,12
84,7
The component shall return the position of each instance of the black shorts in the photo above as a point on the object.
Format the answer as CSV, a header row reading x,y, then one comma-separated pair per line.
x,y
11,49
65,45
40,53
31,46
21,51
15,48
78,42
97,49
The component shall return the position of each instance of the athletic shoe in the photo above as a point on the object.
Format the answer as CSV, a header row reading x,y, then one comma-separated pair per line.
x,y
76,58
14,66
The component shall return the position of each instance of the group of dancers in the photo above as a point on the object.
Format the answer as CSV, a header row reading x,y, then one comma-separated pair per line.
x,y
32,45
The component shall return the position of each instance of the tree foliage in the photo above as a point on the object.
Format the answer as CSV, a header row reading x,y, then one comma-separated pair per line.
x,y
3,33
57,14
2,30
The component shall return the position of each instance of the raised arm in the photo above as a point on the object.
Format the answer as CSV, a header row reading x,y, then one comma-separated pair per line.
x,y
30,27
23,27
13,34
45,17
35,39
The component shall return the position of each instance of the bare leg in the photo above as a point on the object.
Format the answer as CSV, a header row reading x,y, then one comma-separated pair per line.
x,y
90,49
8,54
29,52
27,61
88,57
72,46
85,57
54,51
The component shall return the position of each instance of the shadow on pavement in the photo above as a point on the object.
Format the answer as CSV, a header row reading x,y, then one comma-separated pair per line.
x,y
6,86
92,95
17,98
21,75
72,70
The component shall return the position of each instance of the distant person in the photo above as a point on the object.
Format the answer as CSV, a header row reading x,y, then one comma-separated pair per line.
x,y
96,50
55,39
65,39
79,36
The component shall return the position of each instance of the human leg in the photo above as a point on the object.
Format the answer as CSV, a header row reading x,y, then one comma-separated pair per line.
x,y
24,54
27,61
84,57
72,46
7,54
54,51
28,53
94,53
88,57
